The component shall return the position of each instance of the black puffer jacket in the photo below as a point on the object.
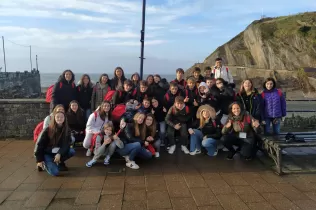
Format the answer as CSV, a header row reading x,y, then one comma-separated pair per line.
x,y
64,92
84,96
76,121
225,97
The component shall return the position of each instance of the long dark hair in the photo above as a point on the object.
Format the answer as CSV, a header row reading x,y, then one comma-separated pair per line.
x,y
230,109
62,76
54,135
152,129
79,113
104,75
81,80
103,114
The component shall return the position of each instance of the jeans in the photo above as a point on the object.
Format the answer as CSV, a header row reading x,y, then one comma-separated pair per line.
x,y
156,145
51,167
87,114
144,153
162,131
196,140
276,127
131,149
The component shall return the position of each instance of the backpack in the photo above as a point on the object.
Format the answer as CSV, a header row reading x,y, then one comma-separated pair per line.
x,y
279,92
151,149
168,98
109,95
50,91
38,129
117,112
187,110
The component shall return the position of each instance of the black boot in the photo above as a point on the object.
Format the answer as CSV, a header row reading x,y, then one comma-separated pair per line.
x,y
231,155
62,167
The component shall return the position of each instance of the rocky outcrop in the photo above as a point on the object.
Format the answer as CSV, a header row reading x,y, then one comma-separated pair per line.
x,y
20,84
272,43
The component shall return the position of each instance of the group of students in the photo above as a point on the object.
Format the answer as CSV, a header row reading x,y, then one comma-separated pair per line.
x,y
202,114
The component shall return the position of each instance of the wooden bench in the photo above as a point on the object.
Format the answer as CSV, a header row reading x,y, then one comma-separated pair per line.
x,y
273,147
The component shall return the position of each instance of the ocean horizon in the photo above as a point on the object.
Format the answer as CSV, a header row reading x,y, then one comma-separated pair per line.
x,y
48,79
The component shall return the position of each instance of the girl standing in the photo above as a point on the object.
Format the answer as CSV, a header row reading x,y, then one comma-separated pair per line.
x,y
118,80
273,106
85,89
99,91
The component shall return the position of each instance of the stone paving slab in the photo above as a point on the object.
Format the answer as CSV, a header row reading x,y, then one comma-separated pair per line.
x,y
171,182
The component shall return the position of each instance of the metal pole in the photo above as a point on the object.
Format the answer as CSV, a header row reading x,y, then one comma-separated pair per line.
x,y
142,40
36,63
5,63
31,57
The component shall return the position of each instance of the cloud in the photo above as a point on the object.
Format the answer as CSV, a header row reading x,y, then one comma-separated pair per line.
x,y
130,43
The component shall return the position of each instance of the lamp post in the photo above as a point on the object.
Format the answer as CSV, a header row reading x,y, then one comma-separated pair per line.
x,y
142,40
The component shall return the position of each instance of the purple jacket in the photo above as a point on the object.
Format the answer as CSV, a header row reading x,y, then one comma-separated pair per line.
x,y
273,105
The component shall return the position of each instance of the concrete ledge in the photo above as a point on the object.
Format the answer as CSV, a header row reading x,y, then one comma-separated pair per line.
x,y
23,101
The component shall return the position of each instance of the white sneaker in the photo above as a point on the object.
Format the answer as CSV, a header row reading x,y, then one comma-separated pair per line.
x,y
91,163
132,165
107,160
225,149
215,153
157,155
195,152
126,158
185,149
172,149
89,153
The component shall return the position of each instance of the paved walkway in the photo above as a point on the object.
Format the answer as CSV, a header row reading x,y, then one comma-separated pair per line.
x,y
172,182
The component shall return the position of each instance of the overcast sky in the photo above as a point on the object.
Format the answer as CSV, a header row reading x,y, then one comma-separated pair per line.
x,y
95,36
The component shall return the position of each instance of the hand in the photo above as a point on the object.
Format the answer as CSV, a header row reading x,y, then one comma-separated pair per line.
x,y
57,158
146,143
205,137
191,131
152,111
122,124
115,137
138,106
81,132
195,103
164,109
177,126
40,164
186,100
228,124
263,122
107,141
255,123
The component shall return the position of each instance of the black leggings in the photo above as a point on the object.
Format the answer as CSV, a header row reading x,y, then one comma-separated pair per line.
x,y
247,146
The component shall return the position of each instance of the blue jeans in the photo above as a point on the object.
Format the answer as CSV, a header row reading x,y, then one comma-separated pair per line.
x,y
276,127
87,114
162,131
196,140
144,153
131,149
51,167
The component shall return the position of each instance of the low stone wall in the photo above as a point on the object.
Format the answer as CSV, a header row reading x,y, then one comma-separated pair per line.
x,y
18,117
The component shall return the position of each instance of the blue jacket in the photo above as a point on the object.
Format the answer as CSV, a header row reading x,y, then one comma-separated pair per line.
x,y
274,104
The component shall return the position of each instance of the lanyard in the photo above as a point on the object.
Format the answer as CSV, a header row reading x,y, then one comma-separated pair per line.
x,y
242,124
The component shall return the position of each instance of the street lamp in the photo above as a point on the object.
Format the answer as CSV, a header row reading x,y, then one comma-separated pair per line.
x,y
142,40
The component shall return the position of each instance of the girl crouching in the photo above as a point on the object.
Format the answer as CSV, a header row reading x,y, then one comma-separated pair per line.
x,y
53,147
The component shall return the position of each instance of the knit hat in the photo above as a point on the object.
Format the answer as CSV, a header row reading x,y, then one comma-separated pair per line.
x,y
202,108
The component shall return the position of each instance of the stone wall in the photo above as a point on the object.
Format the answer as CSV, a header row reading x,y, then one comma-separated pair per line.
x,y
20,84
18,117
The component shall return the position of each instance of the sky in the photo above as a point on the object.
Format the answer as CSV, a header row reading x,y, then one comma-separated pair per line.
x,y
95,36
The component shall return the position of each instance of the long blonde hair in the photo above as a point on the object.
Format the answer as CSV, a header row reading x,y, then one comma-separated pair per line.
x,y
138,128
203,121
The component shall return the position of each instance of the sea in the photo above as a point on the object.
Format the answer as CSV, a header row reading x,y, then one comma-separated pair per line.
x,y
47,79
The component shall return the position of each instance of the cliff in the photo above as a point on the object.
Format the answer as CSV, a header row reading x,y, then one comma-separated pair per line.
x,y
287,42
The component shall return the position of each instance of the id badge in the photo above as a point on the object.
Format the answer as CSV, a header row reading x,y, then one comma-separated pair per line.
x,y
55,150
242,135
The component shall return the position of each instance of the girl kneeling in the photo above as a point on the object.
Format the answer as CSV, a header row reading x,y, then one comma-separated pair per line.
x,y
53,147
105,144
208,131
240,131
